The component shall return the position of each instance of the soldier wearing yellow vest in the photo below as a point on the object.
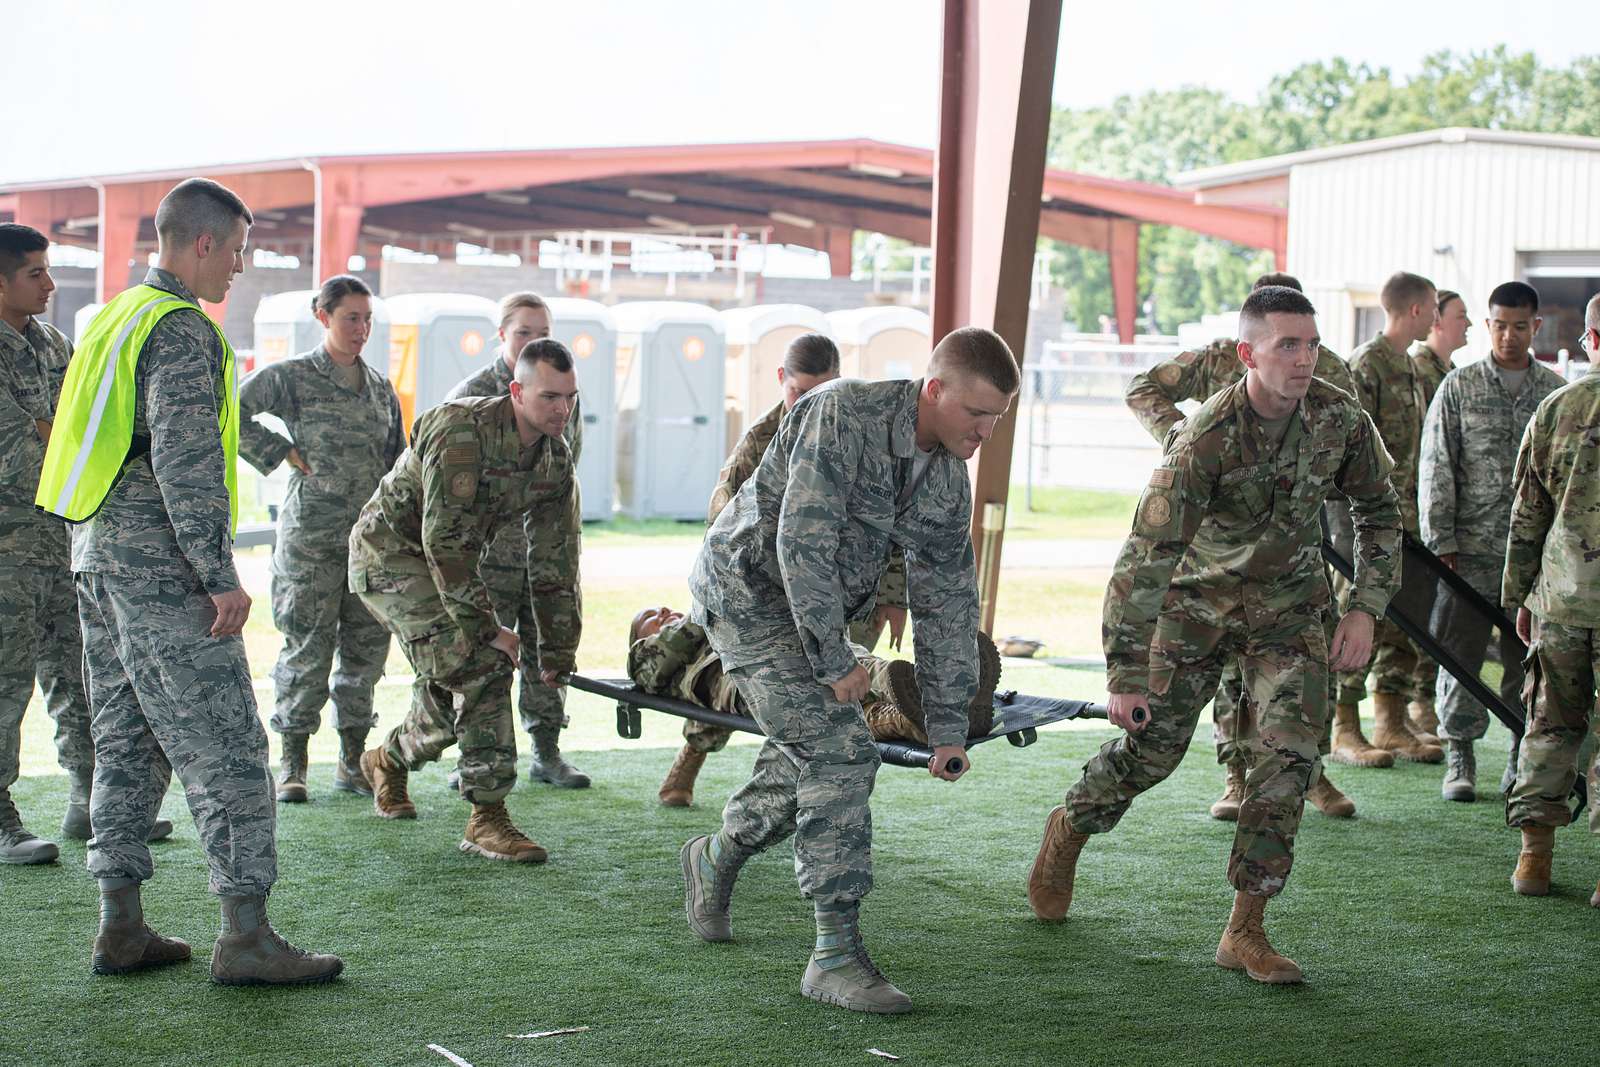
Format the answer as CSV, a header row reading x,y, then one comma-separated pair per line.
x,y
141,458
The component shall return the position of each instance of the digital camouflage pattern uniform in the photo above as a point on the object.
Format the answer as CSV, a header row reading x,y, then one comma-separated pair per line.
x,y
1551,569
39,635
1469,450
504,568
1224,562
350,439
1153,397
1391,391
167,696
794,559
414,560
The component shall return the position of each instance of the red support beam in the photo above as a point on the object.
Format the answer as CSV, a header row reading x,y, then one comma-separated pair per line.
x,y
997,65
837,242
1125,276
338,210
121,209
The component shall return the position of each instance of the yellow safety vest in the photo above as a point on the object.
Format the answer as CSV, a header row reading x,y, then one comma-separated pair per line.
x,y
92,439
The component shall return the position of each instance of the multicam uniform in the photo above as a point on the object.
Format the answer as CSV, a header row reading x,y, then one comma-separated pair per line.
x,y
1431,369
1224,562
350,438
1469,449
414,556
795,557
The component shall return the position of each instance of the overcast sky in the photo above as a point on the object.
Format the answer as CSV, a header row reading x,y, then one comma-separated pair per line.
x,y
106,86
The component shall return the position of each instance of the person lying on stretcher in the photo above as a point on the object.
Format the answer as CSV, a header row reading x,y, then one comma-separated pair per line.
x,y
669,656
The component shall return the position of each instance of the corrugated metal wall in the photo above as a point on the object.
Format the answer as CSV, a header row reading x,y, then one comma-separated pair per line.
x,y
1354,221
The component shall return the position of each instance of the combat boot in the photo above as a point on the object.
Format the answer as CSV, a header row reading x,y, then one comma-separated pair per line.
x,y
1055,867
250,952
980,714
124,943
1532,876
1461,772
1423,720
887,722
905,701
1350,745
388,780
548,765
710,867
292,776
1227,806
677,791
1389,712
1244,945
841,972
347,775
17,845
75,823
1326,798
491,833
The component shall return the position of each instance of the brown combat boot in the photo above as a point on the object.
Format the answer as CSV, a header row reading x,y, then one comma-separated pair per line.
x,y
1326,798
1050,881
1391,734
980,714
250,952
292,776
1423,720
906,701
1227,806
1532,877
677,790
388,780
887,722
1244,946
491,833
347,776
1350,745
124,943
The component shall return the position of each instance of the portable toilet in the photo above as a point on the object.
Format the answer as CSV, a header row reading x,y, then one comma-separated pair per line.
x,y
435,340
757,338
590,330
670,424
285,326
882,342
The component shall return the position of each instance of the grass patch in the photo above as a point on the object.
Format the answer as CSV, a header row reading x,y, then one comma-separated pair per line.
x,y
1060,513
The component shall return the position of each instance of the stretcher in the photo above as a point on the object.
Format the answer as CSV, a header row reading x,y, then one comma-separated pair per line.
x,y
1017,716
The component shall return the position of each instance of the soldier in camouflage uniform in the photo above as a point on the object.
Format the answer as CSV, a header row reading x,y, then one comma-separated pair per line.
x,y
1551,572
1469,447
525,317
162,610
795,558
1153,396
670,656
345,432
473,468
1224,562
1391,392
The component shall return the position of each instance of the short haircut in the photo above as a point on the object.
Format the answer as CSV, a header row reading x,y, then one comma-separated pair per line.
x,y
544,350
336,289
1591,313
1404,289
509,305
811,354
635,625
1515,295
974,352
196,207
1445,296
1277,277
17,243
1271,300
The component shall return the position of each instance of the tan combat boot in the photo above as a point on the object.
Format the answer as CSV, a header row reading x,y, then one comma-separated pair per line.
x,y
1532,877
677,790
1389,712
347,776
1244,946
1326,798
904,718
250,952
124,943
1350,746
887,722
1227,806
840,971
1050,881
388,781
709,871
491,833
1461,772
292,776
1423,720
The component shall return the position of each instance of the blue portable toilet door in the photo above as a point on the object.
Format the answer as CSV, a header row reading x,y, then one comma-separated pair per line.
x,y
684,382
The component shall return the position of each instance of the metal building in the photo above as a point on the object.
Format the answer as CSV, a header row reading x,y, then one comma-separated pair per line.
x,y
1467,208
670,425
590,330
435,340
